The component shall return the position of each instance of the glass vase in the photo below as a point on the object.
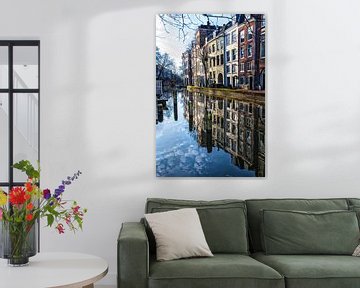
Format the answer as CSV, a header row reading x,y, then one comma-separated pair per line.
x,y
18,242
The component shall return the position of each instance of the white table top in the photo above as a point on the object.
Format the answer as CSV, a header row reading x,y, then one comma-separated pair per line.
x,y
54,270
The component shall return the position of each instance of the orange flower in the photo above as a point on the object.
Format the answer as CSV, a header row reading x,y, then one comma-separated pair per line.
x,y
29,187
29,217
27,196
29,206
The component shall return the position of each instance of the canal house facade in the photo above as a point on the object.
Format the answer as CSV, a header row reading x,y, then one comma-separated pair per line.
x,y
232,55
251,51
215,48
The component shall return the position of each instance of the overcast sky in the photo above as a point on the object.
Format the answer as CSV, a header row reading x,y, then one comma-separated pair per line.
x,y
170,42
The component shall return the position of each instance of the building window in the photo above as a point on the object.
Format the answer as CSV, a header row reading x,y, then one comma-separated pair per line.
x,y
227,56
228,68
222,59
233,52
252,65
248,66
249,50
242,36
242,67
262,48
234,36
242,52
234,68
249,33
218,60
227,39
221,43
213,47
248,136
19,108
209,49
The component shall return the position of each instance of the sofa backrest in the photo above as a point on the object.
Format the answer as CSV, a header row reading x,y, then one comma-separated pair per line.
x,y
256,205
353,202
223,221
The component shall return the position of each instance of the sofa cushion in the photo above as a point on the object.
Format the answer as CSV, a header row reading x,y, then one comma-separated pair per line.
x,y
222,270
313,271
178,234
223,221
254,217
297,232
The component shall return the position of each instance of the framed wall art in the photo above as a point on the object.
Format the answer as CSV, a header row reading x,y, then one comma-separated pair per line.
x,y
210,95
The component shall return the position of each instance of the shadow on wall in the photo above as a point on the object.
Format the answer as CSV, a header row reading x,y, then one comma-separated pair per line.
x,y
74,87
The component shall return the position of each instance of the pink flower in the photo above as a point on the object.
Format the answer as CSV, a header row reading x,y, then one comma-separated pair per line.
x,y
68,219
76,209
1,212
60,228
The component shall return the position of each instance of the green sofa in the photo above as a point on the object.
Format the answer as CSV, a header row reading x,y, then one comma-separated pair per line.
x,y
235,234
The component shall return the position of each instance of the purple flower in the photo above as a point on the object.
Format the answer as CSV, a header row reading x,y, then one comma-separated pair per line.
x,y
58,192
46,194
64,183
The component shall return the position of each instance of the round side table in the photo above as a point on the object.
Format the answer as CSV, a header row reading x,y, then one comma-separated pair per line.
x,y
50,270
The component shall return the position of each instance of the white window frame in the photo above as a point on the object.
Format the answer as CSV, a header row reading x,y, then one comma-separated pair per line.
x,y
242,36
249,29
242,48
247,52
242,67
228,69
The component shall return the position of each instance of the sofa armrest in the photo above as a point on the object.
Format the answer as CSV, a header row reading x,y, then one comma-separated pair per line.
x,y
133,256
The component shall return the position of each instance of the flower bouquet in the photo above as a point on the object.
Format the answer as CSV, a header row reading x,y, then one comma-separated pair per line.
x,y
21,208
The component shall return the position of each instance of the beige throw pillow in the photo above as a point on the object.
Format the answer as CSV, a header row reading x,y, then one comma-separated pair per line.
x,y
178,234
357,251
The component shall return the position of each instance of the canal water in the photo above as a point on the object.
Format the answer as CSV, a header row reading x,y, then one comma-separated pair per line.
x,y
198,135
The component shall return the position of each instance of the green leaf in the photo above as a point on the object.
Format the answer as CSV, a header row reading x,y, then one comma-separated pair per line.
x,y
50,219
28,168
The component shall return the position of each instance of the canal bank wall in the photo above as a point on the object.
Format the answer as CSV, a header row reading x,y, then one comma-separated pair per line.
x,y
257,97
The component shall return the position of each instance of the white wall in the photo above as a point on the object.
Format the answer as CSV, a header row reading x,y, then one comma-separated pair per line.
x,y
97,111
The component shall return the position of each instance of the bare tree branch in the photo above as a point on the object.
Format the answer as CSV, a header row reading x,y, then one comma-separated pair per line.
x,y
189,22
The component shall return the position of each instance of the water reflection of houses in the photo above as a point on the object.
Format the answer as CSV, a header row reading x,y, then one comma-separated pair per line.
x,y
238,127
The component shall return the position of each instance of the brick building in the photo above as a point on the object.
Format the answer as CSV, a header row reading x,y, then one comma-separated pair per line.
x,y
251,44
